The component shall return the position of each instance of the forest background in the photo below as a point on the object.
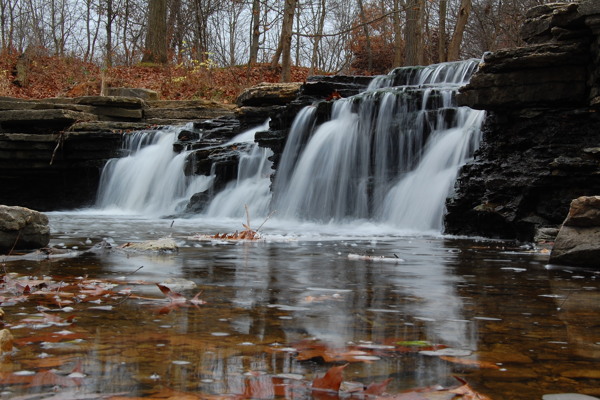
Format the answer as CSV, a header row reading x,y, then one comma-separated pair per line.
x,y
213,49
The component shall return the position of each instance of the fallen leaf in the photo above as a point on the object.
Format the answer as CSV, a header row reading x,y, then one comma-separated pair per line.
x,y
467,392
471,363
172,296
332,379
377,389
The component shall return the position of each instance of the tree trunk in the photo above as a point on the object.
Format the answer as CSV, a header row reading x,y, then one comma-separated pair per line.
x,y
397,35
413,33
109,20
255,36
156,33
286,40
317,40
365,26
442,31
459,30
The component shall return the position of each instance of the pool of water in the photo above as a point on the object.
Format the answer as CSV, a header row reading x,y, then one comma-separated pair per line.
x,y
419,309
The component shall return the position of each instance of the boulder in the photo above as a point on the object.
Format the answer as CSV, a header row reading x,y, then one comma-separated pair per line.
x,y
269,94
22,228
578,241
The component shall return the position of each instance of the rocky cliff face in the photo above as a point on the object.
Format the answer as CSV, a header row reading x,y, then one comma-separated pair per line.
x,y
52,151
541,145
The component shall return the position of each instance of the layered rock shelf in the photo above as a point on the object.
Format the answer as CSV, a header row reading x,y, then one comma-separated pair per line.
x,y
52,150
541,141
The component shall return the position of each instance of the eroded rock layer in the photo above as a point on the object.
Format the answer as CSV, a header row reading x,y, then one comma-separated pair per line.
x,y
541,138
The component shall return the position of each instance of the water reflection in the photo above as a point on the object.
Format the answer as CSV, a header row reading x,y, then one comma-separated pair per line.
x,y
486,302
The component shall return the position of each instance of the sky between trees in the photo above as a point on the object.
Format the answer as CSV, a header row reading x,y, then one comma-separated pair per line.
x,y
334,36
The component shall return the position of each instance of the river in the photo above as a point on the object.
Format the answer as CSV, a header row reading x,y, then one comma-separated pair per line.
x,y
420,309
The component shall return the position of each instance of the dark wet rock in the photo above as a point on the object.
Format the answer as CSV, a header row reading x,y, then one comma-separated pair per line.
x,y
323,86
108,126
578,241
22,229
52,150
525,174
541,135
533,76
41,120
541,20
54,171
197,203
545,234
222,161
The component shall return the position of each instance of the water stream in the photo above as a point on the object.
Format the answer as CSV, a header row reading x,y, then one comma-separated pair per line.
x,y
389,155
352,269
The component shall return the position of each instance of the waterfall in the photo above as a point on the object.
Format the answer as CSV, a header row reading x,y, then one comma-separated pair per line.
x,y
252,186
390,154
150,179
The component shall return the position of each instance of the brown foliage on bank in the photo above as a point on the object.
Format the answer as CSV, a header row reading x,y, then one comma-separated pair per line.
x,y
49,76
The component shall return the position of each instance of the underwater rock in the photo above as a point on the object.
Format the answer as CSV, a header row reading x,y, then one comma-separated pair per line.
x,y
165,244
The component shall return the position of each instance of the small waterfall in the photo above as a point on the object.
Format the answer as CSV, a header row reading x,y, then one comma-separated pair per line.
x,y
390,154
151,179
252,186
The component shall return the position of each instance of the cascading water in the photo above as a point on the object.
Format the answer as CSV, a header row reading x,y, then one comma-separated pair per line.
x,y
151,179
390,154
252,186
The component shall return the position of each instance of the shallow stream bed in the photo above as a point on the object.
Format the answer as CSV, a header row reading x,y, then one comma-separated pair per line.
x,y
419,309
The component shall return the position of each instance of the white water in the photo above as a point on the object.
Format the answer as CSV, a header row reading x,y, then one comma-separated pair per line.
x,y
252,187
151,179
388,156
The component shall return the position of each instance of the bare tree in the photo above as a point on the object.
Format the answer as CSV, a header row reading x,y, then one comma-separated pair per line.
x,y
255,33
442,56
314,59
413,32
156,33
286,40
459,29
398,43
365,27
7,23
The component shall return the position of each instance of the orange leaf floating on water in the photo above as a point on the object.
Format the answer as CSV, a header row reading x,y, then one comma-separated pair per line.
x,y
332,380
377,389
172,296
472,363
466,392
